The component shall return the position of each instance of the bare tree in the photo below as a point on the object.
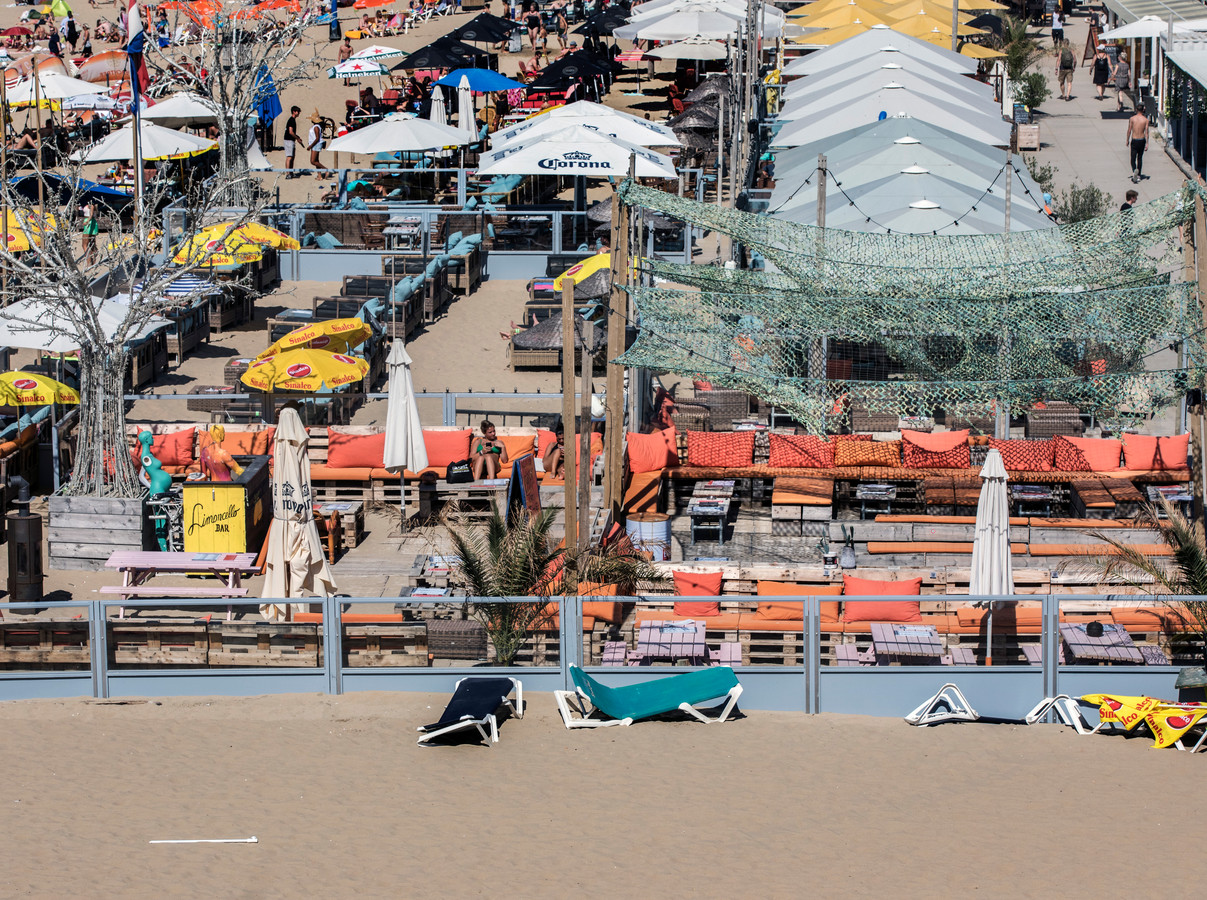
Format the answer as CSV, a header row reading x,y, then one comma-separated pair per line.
x,y
237,48
54,279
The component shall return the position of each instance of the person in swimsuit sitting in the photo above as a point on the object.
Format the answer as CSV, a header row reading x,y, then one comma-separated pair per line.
x,y
489,454
554,460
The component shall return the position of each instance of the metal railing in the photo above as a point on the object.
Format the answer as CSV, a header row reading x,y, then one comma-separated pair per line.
x,y
809,687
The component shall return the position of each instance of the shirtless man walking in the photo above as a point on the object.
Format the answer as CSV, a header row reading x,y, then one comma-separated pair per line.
x,y
1137,142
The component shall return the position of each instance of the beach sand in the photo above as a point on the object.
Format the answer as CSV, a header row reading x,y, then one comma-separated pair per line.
x,y
344,804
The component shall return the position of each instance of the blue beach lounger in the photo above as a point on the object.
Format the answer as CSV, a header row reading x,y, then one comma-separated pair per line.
x,y
474,703
625,704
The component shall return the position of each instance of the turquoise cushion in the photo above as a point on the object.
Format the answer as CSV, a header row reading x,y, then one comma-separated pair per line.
x,y
434,267
473,240
490,230
357,203
471,203
327,241
308,239
453,239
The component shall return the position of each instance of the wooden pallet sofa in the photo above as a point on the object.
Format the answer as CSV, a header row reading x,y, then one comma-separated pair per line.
x,y
1101,474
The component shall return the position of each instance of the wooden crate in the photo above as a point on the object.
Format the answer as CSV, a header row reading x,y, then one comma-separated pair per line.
x,y
263,644
387,644
51,643
84,531
1028,137
154,642
352,521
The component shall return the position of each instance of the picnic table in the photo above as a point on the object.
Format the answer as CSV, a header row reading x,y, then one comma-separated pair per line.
x,y
672,641
918,642
139,566
1113,645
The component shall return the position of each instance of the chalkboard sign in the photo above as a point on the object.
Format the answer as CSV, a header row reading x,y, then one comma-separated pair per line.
x,y
1022,115
523,492
1049,8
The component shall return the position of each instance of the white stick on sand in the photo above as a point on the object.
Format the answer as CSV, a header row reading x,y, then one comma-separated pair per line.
x,y
250,840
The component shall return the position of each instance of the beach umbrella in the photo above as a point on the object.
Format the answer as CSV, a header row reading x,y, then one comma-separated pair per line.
x,y
352,67
404,435
484,28
16,31
399,133
465,111
371,4
920,25
579,64
182,110
880,42
602,24
832,36
711,87
227,244
703,116
436,110
378,52
988,22
444,53
692,48
182,286
691,140
34,389
18,238
969,49
106,67
992,568
481,81
935,9
585,269
154,142
294,563
304,370
1147,27
595,116
682,24
332,335
575,150
51,86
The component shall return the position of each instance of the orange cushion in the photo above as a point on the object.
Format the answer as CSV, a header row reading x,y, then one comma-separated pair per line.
x,y
444,447
352,451
867,453
172,449
608,610
1024,456
643,492
7,447
591,589
331,473
518,444
1147,451
1017,615
652,452
239,443
1153,618
1087,454
790,611
720,449
800,451
945,450
697,584
901,611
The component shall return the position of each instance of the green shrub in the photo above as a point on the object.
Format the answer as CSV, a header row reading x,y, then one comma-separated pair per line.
x,y
1031,90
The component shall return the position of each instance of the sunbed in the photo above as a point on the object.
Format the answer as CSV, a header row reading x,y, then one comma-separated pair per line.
x,y
474,703
624,705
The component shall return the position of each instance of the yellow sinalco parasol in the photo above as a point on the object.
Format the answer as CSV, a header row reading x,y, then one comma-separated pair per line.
x,y
582,270
228,244
333,335
304,370
920,25
32,389
18,239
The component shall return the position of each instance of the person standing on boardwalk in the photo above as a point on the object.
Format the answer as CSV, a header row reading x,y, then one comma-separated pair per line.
x,y
1066,65
1137,142
1102,70
1058,28
314,143
345,53
1123,81
291,140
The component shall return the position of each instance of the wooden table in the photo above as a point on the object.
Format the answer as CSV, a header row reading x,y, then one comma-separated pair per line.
x,y
915,641
672,641
1115,644
882,495
709,507
140,566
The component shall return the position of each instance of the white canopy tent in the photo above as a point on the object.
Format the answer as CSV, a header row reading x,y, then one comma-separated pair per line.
x,y
1151,27
987,128
902,70
398,133
154,142
575,150
595,116
677,25
847,54
695,47
889,84
37,325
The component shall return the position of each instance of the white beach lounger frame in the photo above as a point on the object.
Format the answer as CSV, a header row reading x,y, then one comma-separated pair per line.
x,y
489,720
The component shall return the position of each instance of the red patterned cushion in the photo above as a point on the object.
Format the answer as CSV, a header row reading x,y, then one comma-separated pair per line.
x,y
850,437
867,453
1024,456
946,450
1067,457
720,449
800,451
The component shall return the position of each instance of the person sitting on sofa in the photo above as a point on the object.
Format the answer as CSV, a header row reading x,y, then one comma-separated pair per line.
x,y
554,460
488,455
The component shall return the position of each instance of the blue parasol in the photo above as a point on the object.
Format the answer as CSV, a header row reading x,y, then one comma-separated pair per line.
x,y
268,102
481,81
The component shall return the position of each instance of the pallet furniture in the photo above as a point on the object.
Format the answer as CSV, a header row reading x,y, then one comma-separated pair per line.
x,y
139,567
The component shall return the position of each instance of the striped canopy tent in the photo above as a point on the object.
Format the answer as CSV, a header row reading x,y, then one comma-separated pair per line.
x,y
183,286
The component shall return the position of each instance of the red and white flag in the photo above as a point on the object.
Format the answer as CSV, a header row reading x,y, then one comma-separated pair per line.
x,y
133,20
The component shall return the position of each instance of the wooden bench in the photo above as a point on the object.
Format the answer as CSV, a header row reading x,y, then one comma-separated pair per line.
x,y
1091,499
151,590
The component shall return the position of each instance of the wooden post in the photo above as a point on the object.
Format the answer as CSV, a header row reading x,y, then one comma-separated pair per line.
x,y
584,469
1197,421
617,317
569,442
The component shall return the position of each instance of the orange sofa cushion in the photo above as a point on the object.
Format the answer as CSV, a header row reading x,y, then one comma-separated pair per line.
x,y
720,449
643,492
351,451
320,472
172,449
1073,454
945,450
900,611
240,443
867,453
792,611
444,447
610,612
652,452
1153,618
518,444
1002,614
697,584
1147,451
800,451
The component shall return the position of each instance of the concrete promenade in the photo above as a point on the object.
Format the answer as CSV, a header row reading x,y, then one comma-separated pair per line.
x,y
1084,138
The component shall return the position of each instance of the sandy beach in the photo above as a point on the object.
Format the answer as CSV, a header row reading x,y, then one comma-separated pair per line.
x,y
343,803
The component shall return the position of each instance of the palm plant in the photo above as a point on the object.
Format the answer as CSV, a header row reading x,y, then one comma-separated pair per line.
x,y
1022,51
514,560
1183,574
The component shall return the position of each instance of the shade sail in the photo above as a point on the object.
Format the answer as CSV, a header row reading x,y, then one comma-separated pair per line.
x,y
396,134
876,41
575,150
